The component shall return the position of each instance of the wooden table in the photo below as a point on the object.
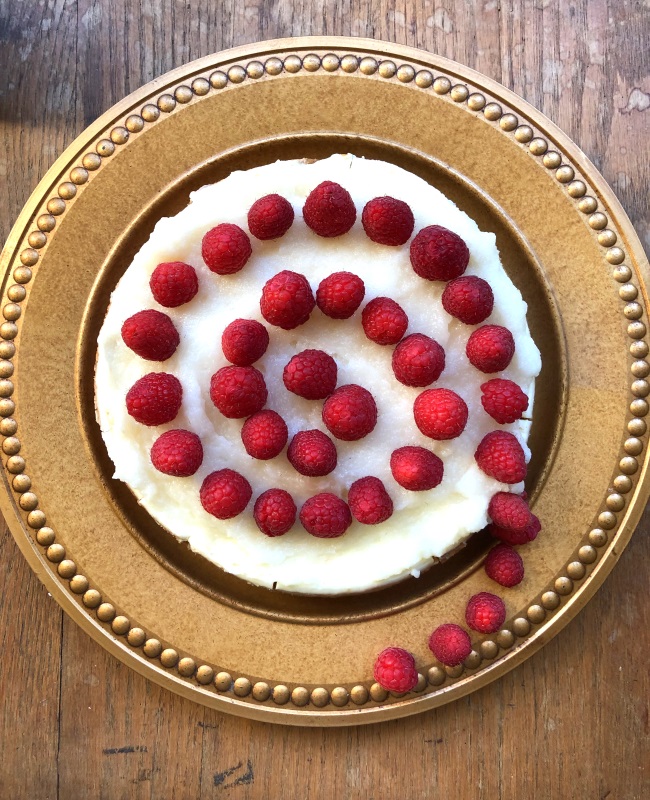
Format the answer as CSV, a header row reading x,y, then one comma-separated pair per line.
x,y
573,721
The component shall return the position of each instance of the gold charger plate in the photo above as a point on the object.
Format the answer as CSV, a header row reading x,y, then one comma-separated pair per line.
x,y
565,241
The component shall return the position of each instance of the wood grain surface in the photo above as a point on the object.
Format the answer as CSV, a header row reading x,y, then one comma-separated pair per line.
x,y
573,721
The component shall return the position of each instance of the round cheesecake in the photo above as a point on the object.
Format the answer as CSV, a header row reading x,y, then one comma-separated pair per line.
x,y
425,525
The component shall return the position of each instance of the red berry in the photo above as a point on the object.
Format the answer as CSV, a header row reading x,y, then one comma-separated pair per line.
x,y
244,341
384,322
325,516
485,612
264,435
469,299
270,217
500,456
339,295
490,348
509,511
350,413
440,414
226,248
225,493
438,254
504,565
418,360
369,501
173,284
155,398
151,335
517,537
311,374
387,221
274,512
416,468
503,400
178,453
450,644
312,453
238,391
395,670
329,210
287,300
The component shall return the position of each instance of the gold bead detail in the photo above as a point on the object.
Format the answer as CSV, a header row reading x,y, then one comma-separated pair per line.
x,y
565,174
300,696
598,537
150,112
169,657
92,598
6,390
105,148
421,685
280,692
91,161
320,697
274,66
436,676
636,426
636,330
552,159
489,649
78,584
37,239
443,86
166,103
423,79
218,80
293,64
633,310
11,311
575,570
119,135
67,568
628,465
597,221
622,484
628,292
6,371
638,407
492,111
184,94
7,408
46,222
261,691
622,273
136,637
536,613
106,612
187,667
9,330
508,122
387,69
255,69
359,695
15,464
633,446
538,146
205,674
639,369
577,189
56,206
11,444
67,190
120,625
339,696
134,123
476,101
152,648
455,672
615,255
45,537
7,349
378,693
23,274
242,687
563,586
473,660
588,205
550,601
79,176
607,238
459,93
521,626
349,64
200,87
16,293
615,502
640,388
330,62
28,501
405,73
311,63
587,554
223,681
21,483
607,519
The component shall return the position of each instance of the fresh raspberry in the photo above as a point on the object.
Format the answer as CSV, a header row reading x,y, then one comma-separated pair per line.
x,y
369,501
469,299
264,435
178,453
155,398
384,321
490,348
504,565
485,612
287,300
312,453
151,335
238,391
311,374
329,210
503,400
517,537
225,493
388,221
270,217
350,413
226,248
244,341
509,511
440,414
339,295
418,360
416,468
274,512
450,644
500,456
326,516
395,670
438,254
173,284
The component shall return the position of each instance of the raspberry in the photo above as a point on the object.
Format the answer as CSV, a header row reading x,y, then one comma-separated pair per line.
x,y
490,348
504,565
326,516
226,248
369,501
274,512
264,435
440,414
173,284
178,453
500,456
517,537
238,391
329,210
339,295
485,612
151,335
384,322
155,398
312,453
350,413
388,221
270,217
416,468
311,374
509,511
395,670
450,644
438,254
503,400
418,360
469,299
225,493
244,341
287,300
